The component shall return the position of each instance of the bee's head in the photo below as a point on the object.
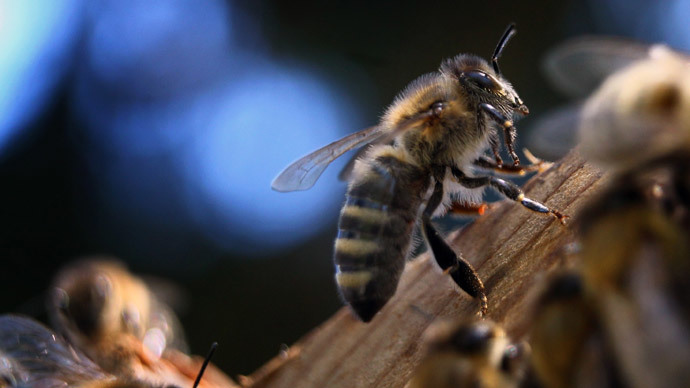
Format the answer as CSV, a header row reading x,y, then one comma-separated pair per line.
x,y
86,300
484,82
79,303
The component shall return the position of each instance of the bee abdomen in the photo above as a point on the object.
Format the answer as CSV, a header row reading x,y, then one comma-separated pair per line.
x,y
374,235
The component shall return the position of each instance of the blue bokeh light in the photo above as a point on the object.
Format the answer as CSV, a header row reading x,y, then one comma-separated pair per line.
x,y
674,25
208,158
267,119
37,40
648,20
185,131
142,49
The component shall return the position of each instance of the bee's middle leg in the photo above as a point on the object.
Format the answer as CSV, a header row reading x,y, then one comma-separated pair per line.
x,y
459,269
507,188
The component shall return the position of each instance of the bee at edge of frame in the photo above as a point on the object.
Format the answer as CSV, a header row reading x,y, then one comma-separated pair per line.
x,y
470,353
108,312
430,139
32,355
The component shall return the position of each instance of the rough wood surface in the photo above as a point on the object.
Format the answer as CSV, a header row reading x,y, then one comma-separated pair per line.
x,y
512,249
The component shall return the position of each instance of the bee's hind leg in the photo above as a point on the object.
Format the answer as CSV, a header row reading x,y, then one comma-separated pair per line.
x,y
459,269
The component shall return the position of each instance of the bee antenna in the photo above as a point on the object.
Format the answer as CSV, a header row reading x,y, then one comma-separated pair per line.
x,y
510,31
205,364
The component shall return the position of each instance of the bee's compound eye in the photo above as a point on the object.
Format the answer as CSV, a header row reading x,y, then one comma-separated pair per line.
x,y
481,79
437,108
472,339
512,357
102,287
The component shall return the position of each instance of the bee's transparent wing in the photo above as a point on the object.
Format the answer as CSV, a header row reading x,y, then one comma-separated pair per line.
x,y
302,174
11,373
37,357
578,66
554,133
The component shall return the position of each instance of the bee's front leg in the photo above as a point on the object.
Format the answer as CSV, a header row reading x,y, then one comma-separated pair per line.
x,y
509,131
459,269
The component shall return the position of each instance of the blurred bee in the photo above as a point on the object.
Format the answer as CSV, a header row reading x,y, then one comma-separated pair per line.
x,y
424,149
623,317
631,311
637,124
642,93
469,354
569,348
34,356
112,316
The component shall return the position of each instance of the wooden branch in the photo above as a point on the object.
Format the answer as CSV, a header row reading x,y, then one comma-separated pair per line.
x,y
512,249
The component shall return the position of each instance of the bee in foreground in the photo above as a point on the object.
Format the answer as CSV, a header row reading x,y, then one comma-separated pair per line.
x,y
624,318
635,236
34,357
469,354
428,141
108,313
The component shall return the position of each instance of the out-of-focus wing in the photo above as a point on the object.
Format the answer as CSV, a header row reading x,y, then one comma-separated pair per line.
x,y
38,357
302,174
554,133
578,66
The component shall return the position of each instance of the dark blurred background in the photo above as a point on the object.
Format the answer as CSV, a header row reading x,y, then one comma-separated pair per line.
x,y
151,130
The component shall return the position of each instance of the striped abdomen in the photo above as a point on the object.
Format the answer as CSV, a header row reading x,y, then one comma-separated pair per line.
x,y
375,230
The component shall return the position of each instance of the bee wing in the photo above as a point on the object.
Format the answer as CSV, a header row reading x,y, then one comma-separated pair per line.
x,y
554,133
40,358
383,138
302,174
578,66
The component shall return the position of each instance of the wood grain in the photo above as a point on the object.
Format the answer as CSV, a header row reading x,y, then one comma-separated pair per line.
x,y
512,249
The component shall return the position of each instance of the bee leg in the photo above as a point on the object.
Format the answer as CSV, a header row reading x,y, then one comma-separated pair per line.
x,y
459,269
493,141
509,189
508,129
519,169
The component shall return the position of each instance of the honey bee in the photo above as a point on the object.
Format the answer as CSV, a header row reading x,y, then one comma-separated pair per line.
x,y
424,149
636,125
469,354
569,348
112,316
631,311
622,318
34,356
